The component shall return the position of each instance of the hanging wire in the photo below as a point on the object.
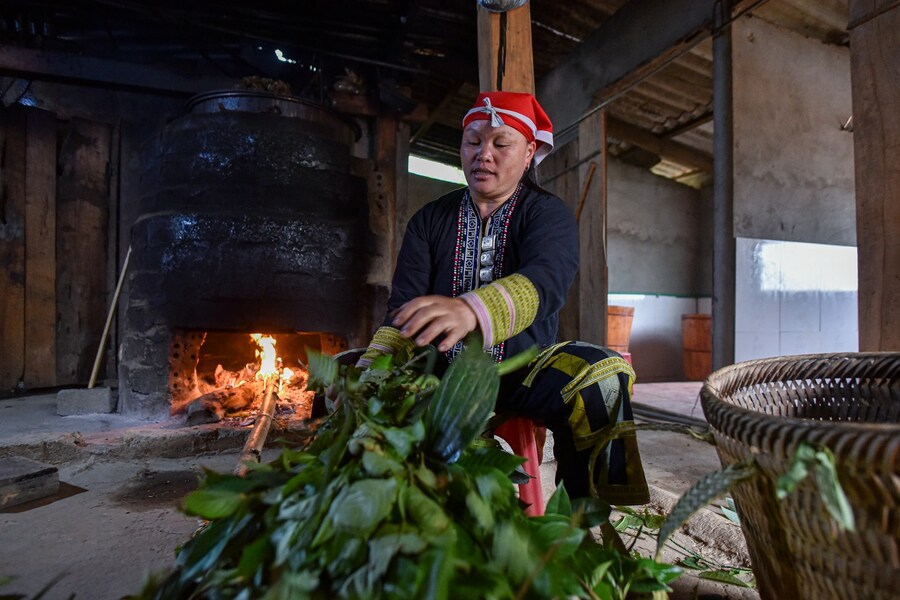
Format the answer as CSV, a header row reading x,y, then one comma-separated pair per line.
x,y
501,52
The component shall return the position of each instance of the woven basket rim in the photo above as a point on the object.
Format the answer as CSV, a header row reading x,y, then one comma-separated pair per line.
x,y
712,386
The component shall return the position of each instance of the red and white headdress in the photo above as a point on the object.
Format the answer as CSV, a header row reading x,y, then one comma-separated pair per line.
x,y
521,112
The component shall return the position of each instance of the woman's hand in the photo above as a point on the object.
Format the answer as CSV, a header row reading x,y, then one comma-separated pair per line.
x,y
427,317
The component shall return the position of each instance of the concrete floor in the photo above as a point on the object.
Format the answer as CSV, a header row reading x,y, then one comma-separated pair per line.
x,y
116,519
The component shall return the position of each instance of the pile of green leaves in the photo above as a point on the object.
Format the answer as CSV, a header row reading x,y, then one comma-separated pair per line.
x,y
396,497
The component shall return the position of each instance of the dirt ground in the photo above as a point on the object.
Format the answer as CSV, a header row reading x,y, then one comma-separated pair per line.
x,y
114,522
112,525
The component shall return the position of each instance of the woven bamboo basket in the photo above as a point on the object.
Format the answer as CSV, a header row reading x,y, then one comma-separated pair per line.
x,y
850,403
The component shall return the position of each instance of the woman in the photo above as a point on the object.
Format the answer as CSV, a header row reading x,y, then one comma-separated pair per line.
x,y
500,255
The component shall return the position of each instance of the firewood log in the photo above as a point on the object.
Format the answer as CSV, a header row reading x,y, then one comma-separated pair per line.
x,y
212,407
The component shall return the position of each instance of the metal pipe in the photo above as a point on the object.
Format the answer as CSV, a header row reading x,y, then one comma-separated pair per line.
x,y
724,254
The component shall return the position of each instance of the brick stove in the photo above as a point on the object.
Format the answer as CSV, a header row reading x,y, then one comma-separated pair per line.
x,y
251,222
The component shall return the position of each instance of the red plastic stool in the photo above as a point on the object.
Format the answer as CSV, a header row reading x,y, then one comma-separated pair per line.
x,y
519,434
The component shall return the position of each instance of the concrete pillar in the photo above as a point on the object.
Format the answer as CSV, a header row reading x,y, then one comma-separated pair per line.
x,y
723,192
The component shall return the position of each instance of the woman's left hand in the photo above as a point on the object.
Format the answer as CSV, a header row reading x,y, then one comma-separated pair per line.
x,y
427,317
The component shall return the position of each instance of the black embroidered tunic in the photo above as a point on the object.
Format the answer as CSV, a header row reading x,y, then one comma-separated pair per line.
x,y
514,268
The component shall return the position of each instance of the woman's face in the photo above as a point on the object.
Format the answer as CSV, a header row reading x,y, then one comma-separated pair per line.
x,y
494,159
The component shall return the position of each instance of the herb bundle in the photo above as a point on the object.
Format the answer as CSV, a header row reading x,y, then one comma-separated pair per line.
x,y
397,496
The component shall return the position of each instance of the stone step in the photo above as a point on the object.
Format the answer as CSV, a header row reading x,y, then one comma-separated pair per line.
x,y
23,480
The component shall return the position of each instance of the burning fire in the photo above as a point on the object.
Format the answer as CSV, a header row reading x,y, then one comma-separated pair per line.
x,y
270,364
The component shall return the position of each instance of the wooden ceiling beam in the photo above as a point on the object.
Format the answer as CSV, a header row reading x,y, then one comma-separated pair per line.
x,y
675,103
673,151
625,49
68,68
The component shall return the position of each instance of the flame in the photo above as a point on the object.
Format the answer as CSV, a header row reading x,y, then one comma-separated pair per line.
x,y
266,355
270,365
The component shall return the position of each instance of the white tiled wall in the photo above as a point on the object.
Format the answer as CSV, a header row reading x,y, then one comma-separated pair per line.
x,y
790,298
794,298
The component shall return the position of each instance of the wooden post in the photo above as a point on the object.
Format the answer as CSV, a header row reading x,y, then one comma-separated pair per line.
x,y
383,199
40,249
593,273
12,248
504,39
561,169
874,48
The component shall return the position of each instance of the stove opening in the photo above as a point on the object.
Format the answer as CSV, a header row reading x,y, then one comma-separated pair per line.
x,y
222,375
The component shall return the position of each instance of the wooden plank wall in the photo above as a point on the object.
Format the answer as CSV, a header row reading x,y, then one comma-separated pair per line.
x,y
12,249
81,245
40,249
54,206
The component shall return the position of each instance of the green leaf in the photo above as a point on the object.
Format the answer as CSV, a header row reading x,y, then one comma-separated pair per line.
x,y
730,512
425,512
463,402
283,539
821,462
293,586
724,576
801,462
379,465
495,488
628,522
693,562
649,576
634,519
591,511
563,536
212,504
296,508
512,552
382,363
514,363
481,510
403,438
559,503
437,564
426,476
345,554
702,493
831,492
485,456
361,506
311,475
598,574
252,557
323,370
201,553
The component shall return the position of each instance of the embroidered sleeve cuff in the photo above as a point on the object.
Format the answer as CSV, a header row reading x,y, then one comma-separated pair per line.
x,y
503,308
387,340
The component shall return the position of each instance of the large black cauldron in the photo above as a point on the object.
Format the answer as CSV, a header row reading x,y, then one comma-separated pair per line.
x,y
251,221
